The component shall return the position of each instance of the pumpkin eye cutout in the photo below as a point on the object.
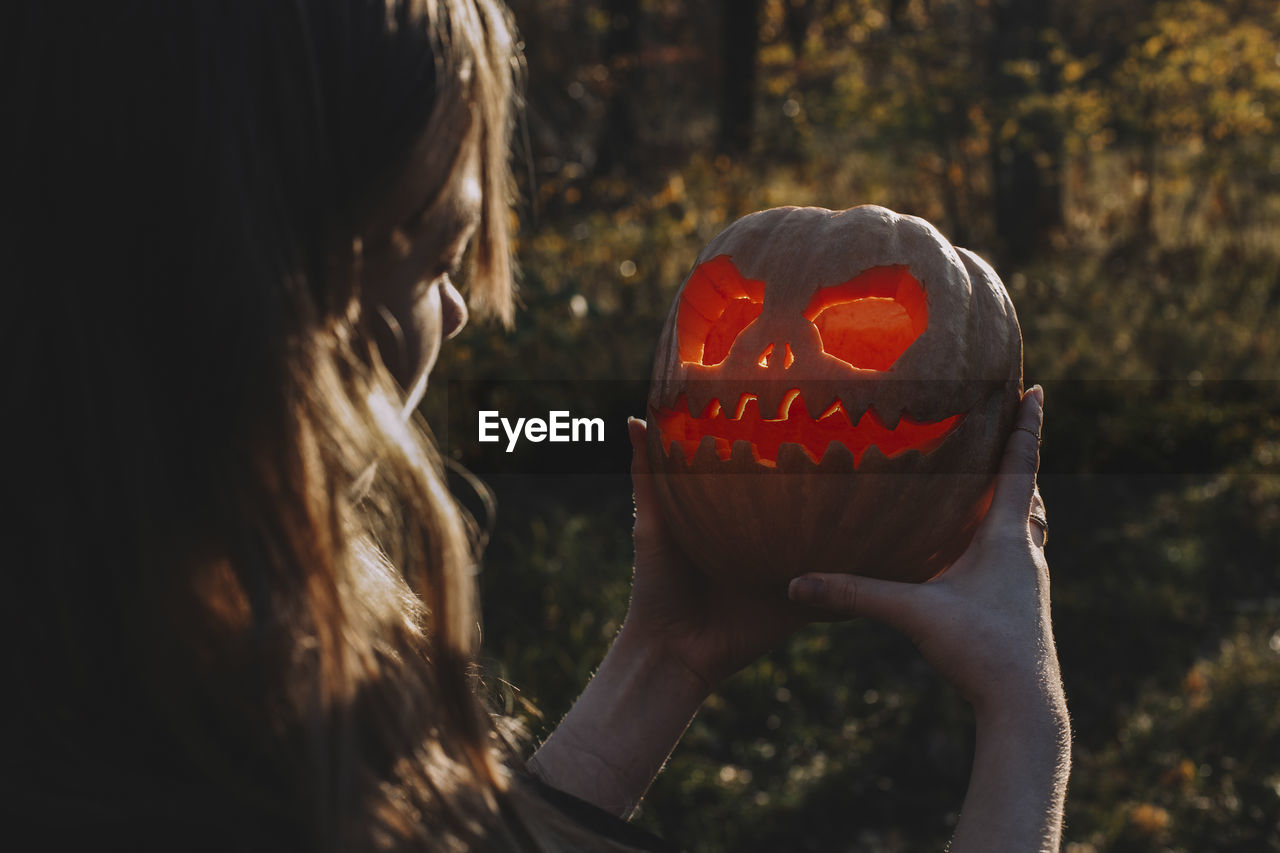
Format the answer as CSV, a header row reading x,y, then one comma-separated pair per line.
x,y
869,321
717,304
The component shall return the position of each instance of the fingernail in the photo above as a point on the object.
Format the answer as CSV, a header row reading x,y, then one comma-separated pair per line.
x,y
633,433
1038,393
806,589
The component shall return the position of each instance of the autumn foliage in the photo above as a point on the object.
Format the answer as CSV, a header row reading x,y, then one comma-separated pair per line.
x,y
1119,164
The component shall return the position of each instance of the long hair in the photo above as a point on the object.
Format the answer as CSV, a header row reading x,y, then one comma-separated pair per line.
x,y
240,610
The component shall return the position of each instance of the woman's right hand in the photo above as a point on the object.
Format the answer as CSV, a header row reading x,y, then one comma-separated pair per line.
x,y
984,625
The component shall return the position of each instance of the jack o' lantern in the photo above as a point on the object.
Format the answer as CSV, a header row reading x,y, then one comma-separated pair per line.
x,y
832,392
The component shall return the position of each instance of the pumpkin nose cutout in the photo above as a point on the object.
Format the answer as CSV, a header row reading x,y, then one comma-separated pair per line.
x,y
768,359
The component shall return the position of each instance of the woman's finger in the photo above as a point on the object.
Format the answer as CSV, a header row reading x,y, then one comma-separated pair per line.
x,y
1038,522
890,602
1016,482
636,431
641,478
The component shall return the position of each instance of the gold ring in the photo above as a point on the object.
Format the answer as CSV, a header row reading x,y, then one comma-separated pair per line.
x,y
1033,432
1043,523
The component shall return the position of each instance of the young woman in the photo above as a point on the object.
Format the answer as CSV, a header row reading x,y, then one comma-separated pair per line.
x,y
241,612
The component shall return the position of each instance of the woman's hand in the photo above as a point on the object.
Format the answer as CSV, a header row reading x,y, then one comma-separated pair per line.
x,y
681,637
984,625
713,630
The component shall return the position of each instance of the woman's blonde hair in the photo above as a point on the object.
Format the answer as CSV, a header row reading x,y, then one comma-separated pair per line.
x,y
241,612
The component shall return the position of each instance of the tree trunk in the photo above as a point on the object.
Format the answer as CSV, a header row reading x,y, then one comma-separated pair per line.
x,y
1026,166
739,45
798,16
619,139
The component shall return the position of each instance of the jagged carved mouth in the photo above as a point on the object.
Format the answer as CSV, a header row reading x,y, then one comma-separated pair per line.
x,y
794,425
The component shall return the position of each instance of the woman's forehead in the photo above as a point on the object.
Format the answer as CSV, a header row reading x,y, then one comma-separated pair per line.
x,y
440,175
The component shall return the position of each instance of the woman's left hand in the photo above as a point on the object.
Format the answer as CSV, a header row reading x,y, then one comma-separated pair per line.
x,y
712,629
683,635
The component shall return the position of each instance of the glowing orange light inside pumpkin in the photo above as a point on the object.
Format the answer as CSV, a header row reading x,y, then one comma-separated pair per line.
x,y
716,305
866,322
793,424
870,320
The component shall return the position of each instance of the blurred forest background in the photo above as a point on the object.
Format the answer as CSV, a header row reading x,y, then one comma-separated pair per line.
x,y
1118,161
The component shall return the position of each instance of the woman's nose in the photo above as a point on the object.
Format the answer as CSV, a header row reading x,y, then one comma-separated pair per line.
x,y
453,309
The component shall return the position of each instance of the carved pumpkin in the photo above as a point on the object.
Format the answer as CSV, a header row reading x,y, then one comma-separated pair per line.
x,y
832,392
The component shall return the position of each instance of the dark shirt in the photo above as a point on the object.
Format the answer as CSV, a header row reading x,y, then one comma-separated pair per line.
x,y
600,821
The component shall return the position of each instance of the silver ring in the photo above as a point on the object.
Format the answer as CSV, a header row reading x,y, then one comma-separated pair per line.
x,y
1043,523
1033,432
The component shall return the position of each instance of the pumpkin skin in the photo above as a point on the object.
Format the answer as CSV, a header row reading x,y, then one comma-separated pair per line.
x,y
832,391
